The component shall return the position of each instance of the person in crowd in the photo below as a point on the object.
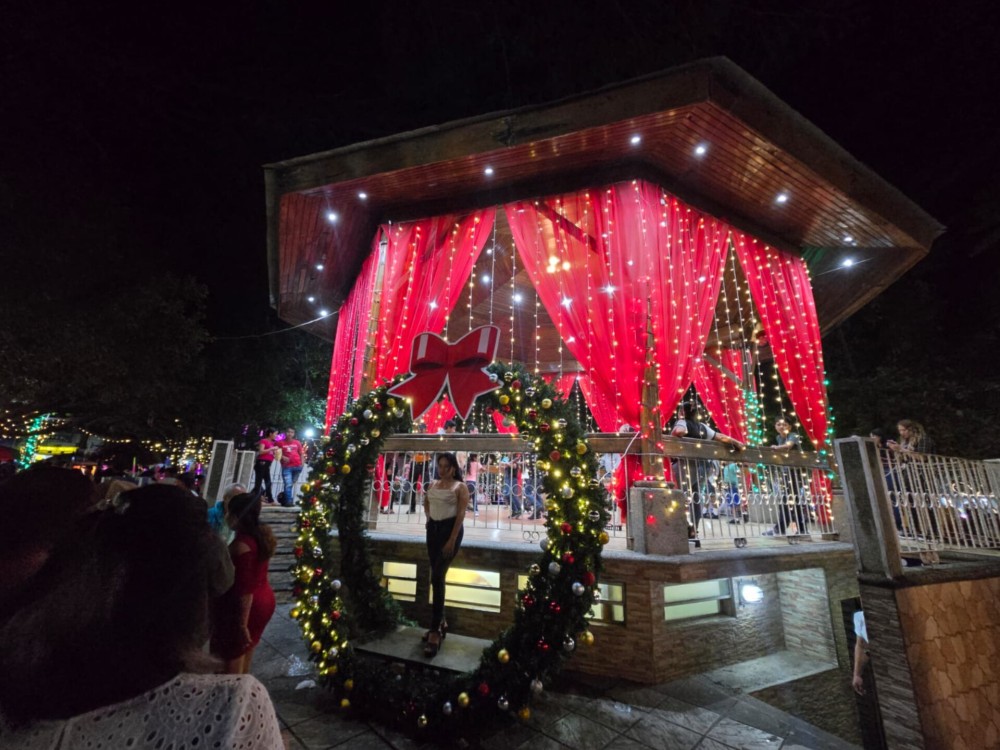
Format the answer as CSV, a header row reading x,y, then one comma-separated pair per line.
x,y
445,503
906,476
217,513
521,487
860,652
291,465
39,507
912,438
241,614
789,485
688,426
267,451
471,473
105,648
731,492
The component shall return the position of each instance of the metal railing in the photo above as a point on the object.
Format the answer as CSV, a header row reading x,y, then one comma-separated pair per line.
x,y
941,502
731,497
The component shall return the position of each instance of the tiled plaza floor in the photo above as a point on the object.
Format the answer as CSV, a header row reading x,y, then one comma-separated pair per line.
x,y
579,713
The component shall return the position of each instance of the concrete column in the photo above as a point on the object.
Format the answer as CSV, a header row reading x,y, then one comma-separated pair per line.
x,y
657,520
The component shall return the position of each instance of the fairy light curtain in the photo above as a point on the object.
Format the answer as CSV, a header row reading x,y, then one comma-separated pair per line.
x,y
781,290
607,263
348,361
722,392
427,264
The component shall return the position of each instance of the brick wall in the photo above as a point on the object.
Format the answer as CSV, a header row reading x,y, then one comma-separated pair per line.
x,y
805,613
647,648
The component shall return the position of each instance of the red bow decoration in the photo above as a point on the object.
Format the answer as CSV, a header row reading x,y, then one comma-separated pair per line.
x,y
459,368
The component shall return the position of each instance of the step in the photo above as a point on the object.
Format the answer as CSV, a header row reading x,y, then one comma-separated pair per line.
x,y
458,653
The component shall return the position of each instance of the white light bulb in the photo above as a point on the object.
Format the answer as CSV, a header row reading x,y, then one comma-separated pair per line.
x,y
486,278
324,313
310,299
363,196
782,198
609,289
847,263
488,171
700,149
635,140
434,305
752,593
566,302
848,239
332,217
319,266
518,297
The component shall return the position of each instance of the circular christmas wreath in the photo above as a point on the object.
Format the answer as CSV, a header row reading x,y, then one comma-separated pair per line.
x,y
550,619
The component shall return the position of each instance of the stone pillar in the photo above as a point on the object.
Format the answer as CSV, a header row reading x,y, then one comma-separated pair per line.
x,y
657,520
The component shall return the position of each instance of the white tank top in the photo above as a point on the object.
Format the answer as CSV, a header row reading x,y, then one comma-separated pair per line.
x,y
443,504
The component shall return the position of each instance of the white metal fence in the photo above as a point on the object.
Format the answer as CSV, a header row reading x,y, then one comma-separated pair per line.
x,y
731,497
941,502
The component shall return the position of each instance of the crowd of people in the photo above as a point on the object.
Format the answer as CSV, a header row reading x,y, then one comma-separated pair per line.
x,y
289,454
127,619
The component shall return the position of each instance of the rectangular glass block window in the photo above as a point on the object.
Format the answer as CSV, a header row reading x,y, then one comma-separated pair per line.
x,y
472,589
685,601
401,580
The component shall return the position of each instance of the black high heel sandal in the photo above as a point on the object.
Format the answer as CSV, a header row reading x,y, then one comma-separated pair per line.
x,y
431,648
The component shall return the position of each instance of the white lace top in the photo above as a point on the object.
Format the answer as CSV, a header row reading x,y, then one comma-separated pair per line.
x,y
189,712
443,504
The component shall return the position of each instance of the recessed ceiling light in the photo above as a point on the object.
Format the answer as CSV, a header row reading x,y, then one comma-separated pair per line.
x,y
848,239
332,217
700,150
847,262
323,313
781,198
310,299
319,266
635,140
488,171
363,195
518,297
485,278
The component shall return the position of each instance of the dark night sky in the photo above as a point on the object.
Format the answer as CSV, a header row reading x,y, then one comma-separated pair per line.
x,y
145,128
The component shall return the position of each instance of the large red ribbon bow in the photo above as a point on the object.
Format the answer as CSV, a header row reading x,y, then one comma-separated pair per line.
x,y
459,368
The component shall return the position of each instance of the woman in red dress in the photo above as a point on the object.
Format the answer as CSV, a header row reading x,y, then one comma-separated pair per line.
x,y
242,613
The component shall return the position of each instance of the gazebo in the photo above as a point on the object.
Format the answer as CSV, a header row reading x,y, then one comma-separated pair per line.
x,y
688,220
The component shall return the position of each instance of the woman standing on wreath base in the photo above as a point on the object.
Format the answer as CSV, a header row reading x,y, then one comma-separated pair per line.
x,y
445,503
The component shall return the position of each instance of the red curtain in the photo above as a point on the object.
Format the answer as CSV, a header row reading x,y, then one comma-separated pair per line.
x,y
602,409
607,263
780,287
435,417
350,341
723,396
563,383
427,264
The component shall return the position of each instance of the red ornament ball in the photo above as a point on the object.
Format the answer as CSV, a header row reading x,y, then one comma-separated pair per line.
x,y
527,601
299,551
568,558
378,406
588,579
354,421
516,385
532,414
505,409
566,527
555,455
484,689
306,523
543,646
318,571
555,608
335,615
330,469
544,427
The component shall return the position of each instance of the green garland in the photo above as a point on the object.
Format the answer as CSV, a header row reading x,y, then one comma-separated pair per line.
x,y
551,612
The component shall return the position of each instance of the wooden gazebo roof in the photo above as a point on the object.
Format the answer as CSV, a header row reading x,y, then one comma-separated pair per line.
x,y
755,149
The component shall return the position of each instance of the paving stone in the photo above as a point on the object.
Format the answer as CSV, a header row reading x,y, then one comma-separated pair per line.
x,y
743,736
580,732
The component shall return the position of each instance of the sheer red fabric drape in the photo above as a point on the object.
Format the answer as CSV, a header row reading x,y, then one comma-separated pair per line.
x,y
347,364
427,264
721,393
780,287
608,264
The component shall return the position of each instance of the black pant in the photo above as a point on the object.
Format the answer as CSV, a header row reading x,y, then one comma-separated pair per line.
x,y
262,475
438,533
792,485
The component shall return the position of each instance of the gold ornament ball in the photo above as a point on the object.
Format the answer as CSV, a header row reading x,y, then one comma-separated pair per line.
x,y
376,433
345,704
294,614
305,575
587,638
422,721
463,700
603,538
503,656
390,403
546,403
504,400
316,646
524,713
345,469
348,684
581,448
